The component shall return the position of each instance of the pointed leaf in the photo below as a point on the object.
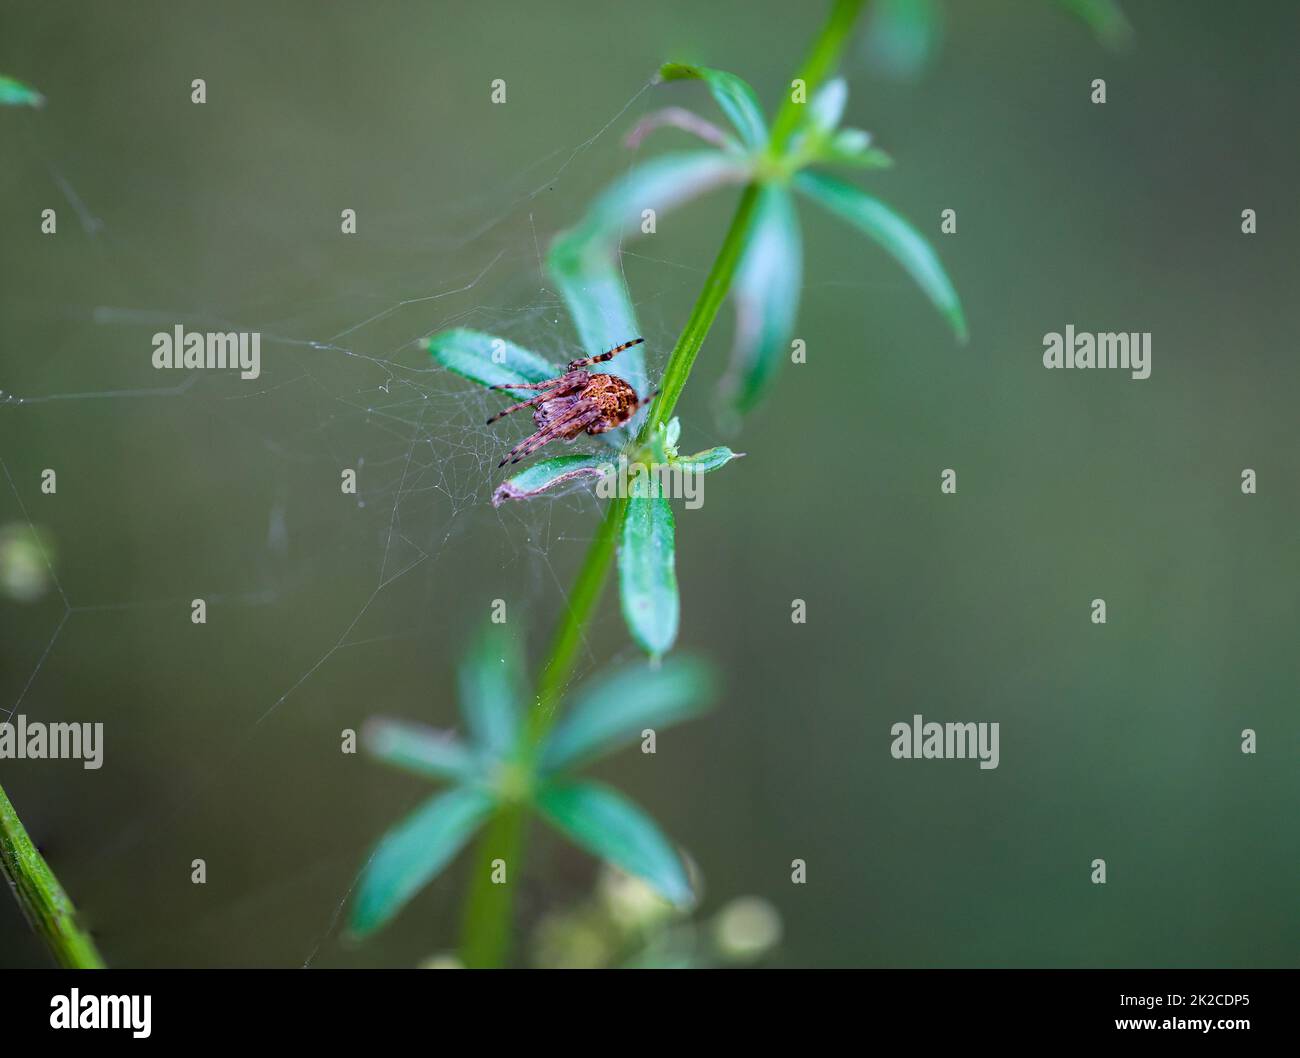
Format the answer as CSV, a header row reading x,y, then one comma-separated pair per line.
x,y
419,748
672,432
908,247
732,94
821,141
16,94
489,360
414,851
591,282
680,118
611,711
609,826
852,147
766,295
647,572
709,460
827,106
661,184
490,682
547,474
852,140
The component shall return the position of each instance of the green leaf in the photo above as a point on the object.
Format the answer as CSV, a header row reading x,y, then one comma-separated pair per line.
x,y
895,234
672,431
820,142
16,94
490,681
687,121
419,748
647,571
709,460
414,851
488,360
827,106
766,295
664,182
609,826
732,94
547,474
588,277
852,147
611,711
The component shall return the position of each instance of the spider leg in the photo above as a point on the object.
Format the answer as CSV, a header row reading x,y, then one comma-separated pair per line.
x,y
573,364
529,385
577,419
540,398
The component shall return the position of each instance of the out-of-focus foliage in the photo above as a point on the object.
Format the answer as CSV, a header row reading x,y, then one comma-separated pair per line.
x,y
499,766
16,94
904,37
625,923
25,558
769,275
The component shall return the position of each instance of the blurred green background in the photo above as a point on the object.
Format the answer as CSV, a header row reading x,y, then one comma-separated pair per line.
x,y
222,741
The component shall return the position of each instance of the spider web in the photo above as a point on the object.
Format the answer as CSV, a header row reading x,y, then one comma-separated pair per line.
x,y
345,384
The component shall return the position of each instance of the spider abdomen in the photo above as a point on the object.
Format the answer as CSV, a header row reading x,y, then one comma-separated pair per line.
x,y
615,399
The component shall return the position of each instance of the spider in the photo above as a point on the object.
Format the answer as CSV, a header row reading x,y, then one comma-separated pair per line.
x,y
575,401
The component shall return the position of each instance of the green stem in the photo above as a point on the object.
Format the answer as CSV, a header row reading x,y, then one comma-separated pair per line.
x,y
821,62
678,369
46,906
570,633
486,938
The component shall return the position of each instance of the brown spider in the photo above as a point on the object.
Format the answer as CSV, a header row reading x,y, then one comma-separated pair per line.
x,y
575,401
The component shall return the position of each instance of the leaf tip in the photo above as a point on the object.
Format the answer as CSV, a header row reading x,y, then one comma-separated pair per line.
x,y
16,93
678,892
675,71
957,319
363,921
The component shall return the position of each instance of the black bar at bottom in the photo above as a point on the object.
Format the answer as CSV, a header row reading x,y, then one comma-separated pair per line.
x,y
338,1007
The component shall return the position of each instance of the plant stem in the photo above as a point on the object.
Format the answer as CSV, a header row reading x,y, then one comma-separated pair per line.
x,y
821,61
586,592
486,935
486,938
45,905
705,312
568,637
